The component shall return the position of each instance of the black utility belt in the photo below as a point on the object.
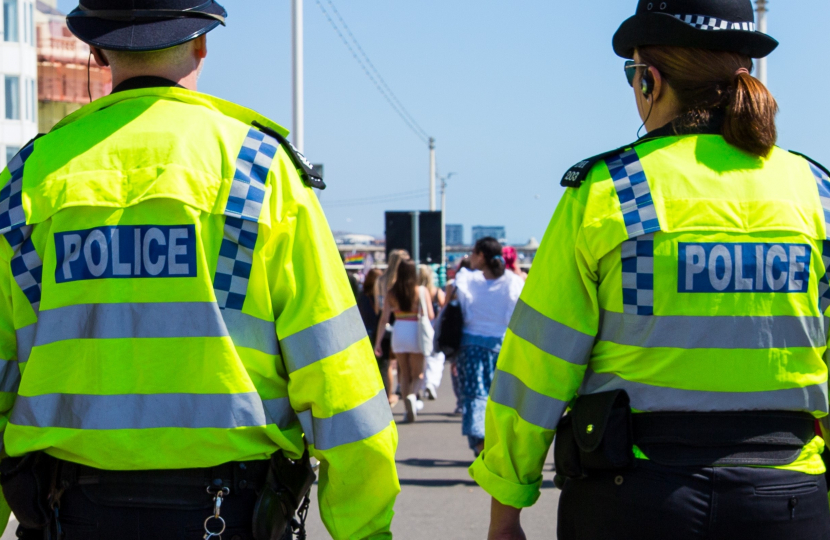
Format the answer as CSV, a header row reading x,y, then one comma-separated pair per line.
x,y
600,432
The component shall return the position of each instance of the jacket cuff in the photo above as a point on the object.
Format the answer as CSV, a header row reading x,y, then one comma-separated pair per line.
x,y
504,491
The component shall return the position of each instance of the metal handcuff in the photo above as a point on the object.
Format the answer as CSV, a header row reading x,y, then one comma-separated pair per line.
x,y
217,506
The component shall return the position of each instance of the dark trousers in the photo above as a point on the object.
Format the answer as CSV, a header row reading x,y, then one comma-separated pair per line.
x,y
84,515
653,502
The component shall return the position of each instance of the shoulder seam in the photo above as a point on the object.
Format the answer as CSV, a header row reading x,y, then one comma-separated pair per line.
x,y
811,160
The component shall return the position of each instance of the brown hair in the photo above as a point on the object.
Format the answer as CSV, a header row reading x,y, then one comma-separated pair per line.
x,y
707,84
406,285
369,282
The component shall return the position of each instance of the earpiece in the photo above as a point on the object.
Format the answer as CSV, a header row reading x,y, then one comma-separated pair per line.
x,y
648,83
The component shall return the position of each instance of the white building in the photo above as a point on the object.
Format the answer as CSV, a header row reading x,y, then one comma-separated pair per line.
x,y
18,68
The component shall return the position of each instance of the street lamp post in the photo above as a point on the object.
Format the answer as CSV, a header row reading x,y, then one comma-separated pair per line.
x,y
762,27
444,217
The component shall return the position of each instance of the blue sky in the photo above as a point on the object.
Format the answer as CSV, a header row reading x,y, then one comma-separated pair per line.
x,y
514,92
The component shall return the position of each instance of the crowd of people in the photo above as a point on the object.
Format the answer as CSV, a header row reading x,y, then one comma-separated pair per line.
x,y
399,308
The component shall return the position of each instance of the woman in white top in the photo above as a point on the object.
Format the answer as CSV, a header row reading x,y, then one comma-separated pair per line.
x,y
488,296
405,299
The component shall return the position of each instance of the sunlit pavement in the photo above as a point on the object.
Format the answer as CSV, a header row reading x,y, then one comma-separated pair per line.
x,y
438,498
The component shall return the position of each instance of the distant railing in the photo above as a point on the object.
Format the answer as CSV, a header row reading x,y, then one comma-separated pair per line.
x,y
62,49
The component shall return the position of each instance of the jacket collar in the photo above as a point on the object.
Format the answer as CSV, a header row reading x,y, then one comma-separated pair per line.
x,y
145,81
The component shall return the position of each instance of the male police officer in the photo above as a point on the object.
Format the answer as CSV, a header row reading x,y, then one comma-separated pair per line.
x,y
174,312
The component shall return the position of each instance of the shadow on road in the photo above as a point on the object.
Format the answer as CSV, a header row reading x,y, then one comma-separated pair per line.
x,y
415,462
424,482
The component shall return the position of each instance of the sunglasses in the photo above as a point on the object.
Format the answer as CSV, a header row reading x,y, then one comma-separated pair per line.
x,y
631,71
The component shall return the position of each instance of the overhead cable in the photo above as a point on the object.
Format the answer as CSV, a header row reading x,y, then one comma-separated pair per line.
x,y
379,199
373,73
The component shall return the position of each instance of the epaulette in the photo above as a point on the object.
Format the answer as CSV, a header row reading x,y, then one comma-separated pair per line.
x,y
811,160
577,174
311,176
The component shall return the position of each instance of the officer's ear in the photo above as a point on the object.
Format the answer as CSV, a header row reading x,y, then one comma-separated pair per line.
x,y
200,47
656,83
99,56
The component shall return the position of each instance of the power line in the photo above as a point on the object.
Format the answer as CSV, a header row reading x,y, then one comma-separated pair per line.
x,y
400,110
376,72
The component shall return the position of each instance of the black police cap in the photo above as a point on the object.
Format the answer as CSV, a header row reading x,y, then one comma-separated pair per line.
x,y
720,25
143,25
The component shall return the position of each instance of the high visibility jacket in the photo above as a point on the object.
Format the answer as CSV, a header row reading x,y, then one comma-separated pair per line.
x,y
684,271
171,297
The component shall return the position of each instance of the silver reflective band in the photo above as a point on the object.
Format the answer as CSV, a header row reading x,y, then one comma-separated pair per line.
x,y
550,336
139,411
111,321
322,340
25,341
685,332
279,412
251,332
645,397
9,376
533,407
362,422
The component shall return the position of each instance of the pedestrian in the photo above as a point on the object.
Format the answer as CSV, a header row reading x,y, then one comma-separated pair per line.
x,y
488,296
456,387
168,251
682,277
511,261
408,301
370,314
384,285
434,363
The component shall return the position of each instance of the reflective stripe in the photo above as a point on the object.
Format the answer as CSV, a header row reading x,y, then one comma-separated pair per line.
x,y
110,321
139,411
551,336
251,332
533,407
25,341
9,376
279,412
645,397
687,332
323,339
362,422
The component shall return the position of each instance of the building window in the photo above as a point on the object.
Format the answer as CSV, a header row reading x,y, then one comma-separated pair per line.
x,y
32,34
11,151
33,102
10,20
12,98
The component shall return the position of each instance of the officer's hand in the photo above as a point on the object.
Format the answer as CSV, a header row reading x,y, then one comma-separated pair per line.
x,y
505,523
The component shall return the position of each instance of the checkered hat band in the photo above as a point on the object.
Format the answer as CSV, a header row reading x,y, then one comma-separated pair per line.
x,y
703,22
12,215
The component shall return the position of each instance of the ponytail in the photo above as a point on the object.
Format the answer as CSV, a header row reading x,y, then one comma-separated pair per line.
x,y
750,116
717,84
491,249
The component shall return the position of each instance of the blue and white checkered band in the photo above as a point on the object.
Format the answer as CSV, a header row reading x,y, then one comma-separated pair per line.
x,y
633,192
824,282
252,166
12,214
236,255
26,264
823,183
234,266
638,275
703,22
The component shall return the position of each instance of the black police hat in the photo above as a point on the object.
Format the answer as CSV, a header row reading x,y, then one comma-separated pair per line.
x,y
143,25
721,25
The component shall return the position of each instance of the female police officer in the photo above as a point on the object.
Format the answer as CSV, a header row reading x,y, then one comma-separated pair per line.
x,y
683,277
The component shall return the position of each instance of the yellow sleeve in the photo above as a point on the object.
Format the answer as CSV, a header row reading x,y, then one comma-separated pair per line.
x,y
543,359
334,383
12,358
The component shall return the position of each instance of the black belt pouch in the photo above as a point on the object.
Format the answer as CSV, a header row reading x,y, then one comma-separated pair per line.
x,y
596,435
27,482
287,485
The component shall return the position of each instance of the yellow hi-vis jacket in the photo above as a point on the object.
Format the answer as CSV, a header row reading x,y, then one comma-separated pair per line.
x,y
171,297
684,271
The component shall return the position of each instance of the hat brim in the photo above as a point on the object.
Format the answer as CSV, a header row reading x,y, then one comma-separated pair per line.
x,y
665,29
142,35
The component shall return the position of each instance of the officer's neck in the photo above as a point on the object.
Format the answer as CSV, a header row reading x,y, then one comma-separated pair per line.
x,y
185,80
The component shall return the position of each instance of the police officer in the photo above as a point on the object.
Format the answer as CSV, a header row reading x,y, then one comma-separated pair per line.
x,y
175,324
679,293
